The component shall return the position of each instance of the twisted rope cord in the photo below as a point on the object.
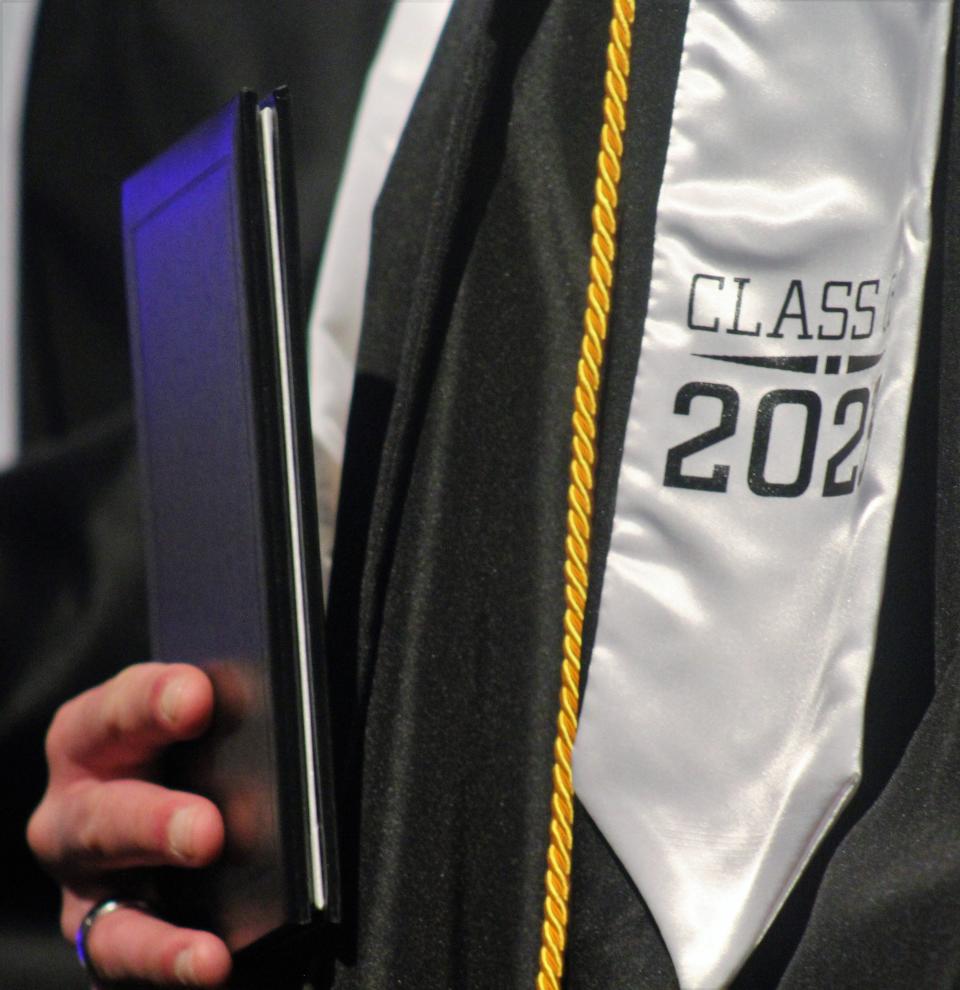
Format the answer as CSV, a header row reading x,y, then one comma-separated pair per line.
x,y
580,493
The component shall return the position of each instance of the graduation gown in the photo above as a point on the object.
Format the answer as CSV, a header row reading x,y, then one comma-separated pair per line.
x,y
446,600
446,603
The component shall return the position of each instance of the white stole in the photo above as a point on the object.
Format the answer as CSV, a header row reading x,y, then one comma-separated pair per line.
x,y
722,718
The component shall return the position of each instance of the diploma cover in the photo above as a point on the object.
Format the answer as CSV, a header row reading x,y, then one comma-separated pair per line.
x,y
219,359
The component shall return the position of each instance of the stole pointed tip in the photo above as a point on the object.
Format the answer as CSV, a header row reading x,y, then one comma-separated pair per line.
x,y
708,970
709,954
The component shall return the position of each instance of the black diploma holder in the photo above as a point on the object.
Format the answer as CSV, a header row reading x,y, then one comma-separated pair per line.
x,y
233,558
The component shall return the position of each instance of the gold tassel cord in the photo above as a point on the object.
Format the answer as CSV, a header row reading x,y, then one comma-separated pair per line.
x,y
580,493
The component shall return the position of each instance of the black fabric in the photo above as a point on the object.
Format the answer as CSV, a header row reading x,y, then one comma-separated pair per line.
x,y
111,85
73,610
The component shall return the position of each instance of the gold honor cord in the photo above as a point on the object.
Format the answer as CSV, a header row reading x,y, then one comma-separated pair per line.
x,y
580,495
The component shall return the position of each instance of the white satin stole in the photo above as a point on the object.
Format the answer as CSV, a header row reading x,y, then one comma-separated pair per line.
x,y
391,86
722,719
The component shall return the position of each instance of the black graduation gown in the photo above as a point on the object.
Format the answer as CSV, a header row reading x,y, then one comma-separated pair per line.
x,y
446,605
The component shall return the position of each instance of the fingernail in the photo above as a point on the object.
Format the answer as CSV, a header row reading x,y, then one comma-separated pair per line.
x,y
170,700
183,968
180,832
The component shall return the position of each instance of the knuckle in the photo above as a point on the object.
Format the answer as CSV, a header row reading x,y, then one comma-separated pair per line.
x,y
55,743
67,926
90,841
115,712
40,833
129,702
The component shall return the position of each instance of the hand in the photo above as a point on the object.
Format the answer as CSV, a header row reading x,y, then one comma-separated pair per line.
x,y
101,814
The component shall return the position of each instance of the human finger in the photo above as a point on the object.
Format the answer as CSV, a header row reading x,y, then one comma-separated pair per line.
x,y
120,726
97,826
127,946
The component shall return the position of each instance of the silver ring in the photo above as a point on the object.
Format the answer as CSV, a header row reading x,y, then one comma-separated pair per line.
x,y
107,906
